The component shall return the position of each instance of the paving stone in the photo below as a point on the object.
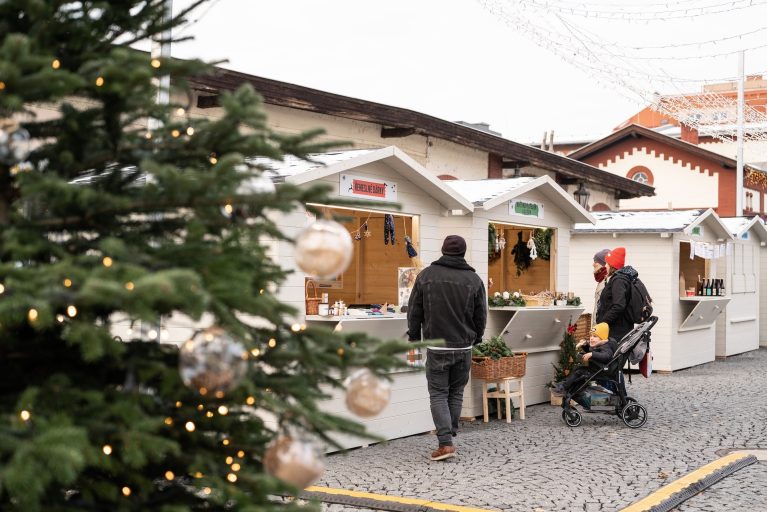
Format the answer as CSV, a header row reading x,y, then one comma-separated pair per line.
x,y
540,463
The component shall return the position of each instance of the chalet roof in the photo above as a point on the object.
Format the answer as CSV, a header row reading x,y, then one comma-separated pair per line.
x,y
401,122
635,130
488,194
299,172
740,225
667,221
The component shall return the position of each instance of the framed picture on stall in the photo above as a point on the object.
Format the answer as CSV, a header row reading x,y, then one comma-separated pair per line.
x,y
405,281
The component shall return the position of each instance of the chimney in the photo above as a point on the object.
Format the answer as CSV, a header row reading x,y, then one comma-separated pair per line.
x,y
543,142
689,134
551,141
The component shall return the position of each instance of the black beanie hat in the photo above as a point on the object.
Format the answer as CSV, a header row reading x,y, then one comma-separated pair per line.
x,y
454,245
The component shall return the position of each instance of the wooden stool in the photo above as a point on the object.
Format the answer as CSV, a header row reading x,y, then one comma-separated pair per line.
x,y
503,390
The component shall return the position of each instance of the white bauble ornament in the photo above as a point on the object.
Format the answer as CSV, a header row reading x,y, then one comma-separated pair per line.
x,y
324,249
212,361
293,461
366,394
19,144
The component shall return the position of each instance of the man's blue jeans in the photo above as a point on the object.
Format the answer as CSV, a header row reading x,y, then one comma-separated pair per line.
x,y
447,372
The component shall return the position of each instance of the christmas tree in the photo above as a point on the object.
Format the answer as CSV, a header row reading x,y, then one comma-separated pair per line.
x,y
117,207
569,358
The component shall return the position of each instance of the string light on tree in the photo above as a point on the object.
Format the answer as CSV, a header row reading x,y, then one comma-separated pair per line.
x,y
366,394
324,249
212,360
293,461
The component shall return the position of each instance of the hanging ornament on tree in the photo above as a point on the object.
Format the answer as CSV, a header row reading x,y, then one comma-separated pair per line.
x,y
324,249
293,461
366,394
212,361
14,142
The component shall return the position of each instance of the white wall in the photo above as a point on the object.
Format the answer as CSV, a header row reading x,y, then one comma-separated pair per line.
x,y
438,156
651,256
753,151
680,186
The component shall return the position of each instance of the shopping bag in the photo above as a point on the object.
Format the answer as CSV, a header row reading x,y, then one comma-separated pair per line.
x,y
645,365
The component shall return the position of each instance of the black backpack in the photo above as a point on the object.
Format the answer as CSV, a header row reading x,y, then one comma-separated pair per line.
x,y
639,307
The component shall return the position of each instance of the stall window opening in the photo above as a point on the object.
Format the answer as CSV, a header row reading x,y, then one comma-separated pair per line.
x,y
380,254
691,271
511,266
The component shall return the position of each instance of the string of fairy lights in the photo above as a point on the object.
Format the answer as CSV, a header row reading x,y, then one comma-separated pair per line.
x,y
647,61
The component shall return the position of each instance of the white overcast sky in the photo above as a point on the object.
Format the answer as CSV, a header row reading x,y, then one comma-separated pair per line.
x,y
452,59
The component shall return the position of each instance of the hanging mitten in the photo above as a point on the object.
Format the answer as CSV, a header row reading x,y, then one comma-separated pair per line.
x,y
531,246
388,229
409,247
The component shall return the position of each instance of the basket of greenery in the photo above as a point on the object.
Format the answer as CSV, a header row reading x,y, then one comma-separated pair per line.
x,y
493,359
506,299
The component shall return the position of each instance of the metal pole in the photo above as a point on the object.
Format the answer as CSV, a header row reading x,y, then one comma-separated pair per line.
x,y
740,130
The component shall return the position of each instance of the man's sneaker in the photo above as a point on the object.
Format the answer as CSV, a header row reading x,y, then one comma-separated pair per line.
x,y
443,452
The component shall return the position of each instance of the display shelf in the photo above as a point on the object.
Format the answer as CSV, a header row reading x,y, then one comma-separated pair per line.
x,y
702,298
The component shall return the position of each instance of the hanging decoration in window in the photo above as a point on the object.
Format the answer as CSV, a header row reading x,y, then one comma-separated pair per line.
x,y
543,242
521,255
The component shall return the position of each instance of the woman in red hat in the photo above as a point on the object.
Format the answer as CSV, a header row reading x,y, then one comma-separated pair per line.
x,y
616,294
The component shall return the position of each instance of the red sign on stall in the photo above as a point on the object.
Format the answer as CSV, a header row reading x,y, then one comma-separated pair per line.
x,y
369,188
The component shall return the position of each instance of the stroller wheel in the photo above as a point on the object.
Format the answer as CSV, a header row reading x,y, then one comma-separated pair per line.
x,y
634,415
630,399
572,417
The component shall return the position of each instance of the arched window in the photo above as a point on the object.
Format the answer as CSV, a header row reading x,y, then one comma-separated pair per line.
x,y
641,174
600,207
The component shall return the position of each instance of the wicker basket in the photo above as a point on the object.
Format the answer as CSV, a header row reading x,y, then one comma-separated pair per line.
x,y
583,326
312,303
487,369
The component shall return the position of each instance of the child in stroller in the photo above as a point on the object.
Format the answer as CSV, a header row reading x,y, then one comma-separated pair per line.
x,y
597,351
600,388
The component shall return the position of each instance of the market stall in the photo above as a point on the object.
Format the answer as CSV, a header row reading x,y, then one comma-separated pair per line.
x,y
520,244
681,257
368,296
738,327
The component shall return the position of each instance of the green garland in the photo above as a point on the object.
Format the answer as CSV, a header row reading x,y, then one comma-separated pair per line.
x,y
542,239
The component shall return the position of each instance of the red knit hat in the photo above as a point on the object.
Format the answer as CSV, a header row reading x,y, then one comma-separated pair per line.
x,y
616,258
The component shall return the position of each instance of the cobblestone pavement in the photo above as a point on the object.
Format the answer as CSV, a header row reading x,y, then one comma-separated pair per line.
x,y
540,464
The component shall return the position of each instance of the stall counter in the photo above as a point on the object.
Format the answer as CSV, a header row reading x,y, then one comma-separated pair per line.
x,y
408,412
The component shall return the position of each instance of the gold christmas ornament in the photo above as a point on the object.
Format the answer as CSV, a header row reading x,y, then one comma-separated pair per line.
x,y
324,249
295,462
366,394
212,360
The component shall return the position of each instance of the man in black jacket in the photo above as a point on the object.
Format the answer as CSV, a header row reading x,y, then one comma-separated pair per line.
x,y
616,294
448,302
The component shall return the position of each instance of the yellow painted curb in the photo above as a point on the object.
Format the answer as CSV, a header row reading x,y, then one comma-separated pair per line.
x,y
396,499
674,487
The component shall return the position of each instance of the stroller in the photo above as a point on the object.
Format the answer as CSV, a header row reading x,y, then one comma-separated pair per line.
x,y
608,394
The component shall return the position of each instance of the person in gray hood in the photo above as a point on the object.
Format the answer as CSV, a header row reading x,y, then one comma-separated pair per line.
x,y
448,302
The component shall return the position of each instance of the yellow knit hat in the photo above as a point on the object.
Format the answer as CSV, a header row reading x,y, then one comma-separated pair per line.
x,y
601,330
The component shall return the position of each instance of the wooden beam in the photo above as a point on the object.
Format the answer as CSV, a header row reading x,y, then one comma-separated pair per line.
x,y
391,133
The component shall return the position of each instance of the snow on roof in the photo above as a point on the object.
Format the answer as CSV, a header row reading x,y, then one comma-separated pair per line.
x,y
655,221
292,166
735,224
481,191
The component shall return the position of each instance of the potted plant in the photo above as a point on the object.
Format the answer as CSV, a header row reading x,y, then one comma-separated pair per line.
x,y
568,360
493,359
